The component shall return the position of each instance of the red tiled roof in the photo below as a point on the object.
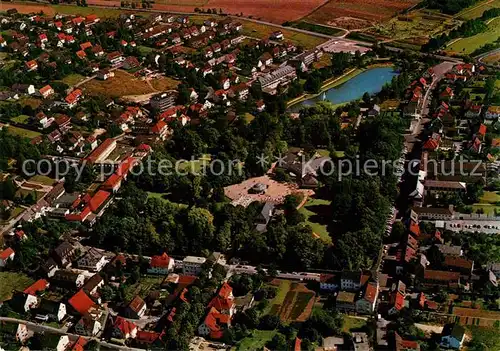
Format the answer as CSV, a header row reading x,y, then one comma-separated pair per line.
x,y
160,261
399,301
45,89
112,181
371,292
225,290
39,285
85,45
297,344
81,302
126,166
158,127
124,325
147,337
144,147
136,304
98,200
441,275
99,150
415,229
482,129
73,96
78,217
459,262
6,253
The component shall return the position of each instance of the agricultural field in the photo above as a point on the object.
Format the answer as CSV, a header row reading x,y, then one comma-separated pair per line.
x,y
260,31
476,317
485,338
21,119
316,215
468,45
13,281
414,28
124,83
356,14
477,10
293,301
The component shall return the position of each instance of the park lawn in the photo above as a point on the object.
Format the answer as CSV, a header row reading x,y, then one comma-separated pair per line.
x,y
257,341
314,211
352,323
195,166
13,281
144,50
72,79
24,133
21,119
468,45
489,197
41,179
477,9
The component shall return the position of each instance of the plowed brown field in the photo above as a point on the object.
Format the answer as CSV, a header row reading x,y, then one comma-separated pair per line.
x,y
369,10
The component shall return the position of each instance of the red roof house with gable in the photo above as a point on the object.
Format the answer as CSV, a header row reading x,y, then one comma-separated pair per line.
x,y
124,329
39,285
6,255
162,264
214,324
81,302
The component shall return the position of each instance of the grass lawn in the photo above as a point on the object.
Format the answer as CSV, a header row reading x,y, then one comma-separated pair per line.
x,y
13,281
281,292
25,133
315,212
352,323
257,341
21,119
142,287
30,101
477,9
124,83
72,79
144,50
249,117
487,208
41,179
468,45
13,214
488,338
195,166
489,197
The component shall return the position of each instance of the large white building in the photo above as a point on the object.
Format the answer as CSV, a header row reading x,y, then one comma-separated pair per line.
x,y
192,265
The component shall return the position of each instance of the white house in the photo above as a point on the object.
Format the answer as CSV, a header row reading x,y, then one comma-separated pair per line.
x,y
192,265
93,260
23,333
350,281
162,264
63,343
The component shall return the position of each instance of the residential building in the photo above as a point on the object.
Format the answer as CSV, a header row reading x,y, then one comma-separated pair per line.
x,y
53,309
452,336
366,304
136,308
192,265
6,256
82,303
92,285
162,102
23,334
345,301
87,326
123,329
162,264
493,113
102,152
68,278
441,278
46,91
282,75
329,282
439,187
64,254
264,217
214,324
93,260
350,281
